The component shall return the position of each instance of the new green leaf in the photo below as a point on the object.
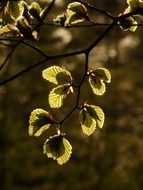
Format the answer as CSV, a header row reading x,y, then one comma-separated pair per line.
x,y
103,74
58,148
77,8
40,120
76,13
97,113
88,123
97,79
58,95
90,117
57,75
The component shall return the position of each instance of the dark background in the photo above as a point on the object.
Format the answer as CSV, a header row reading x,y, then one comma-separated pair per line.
x,y
110,159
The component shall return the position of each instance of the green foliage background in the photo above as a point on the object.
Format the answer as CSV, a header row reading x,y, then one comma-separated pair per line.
x,y
110,159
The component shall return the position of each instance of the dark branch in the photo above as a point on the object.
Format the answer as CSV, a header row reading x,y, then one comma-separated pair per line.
x,y
29,68
107,30
135,12
22,72
9,55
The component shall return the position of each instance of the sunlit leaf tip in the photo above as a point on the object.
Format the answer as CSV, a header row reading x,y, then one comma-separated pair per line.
x,y
91,117
58,148
40,120
57,75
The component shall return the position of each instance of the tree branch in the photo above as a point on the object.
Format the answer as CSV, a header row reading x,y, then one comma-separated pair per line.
x,y
87,50
9,55
107,30
29,68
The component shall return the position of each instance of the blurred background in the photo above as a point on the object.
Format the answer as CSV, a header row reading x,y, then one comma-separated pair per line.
x,y
110,159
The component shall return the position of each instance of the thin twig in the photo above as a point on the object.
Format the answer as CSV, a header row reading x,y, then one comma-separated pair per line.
x,y
9,55
35,48
107,30
22,72
29,68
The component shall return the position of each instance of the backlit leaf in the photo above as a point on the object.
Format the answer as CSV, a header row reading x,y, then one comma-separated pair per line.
x,y
58,148
67,153
76,13
40,120
97,113
97,79
90,117
97,85
58,95
77,8
73,19
128,10
103,74
57,75
134,5
88,123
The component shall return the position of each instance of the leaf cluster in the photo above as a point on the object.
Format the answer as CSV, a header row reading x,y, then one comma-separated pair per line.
x,y
75,13
130,23
90,116
20,19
